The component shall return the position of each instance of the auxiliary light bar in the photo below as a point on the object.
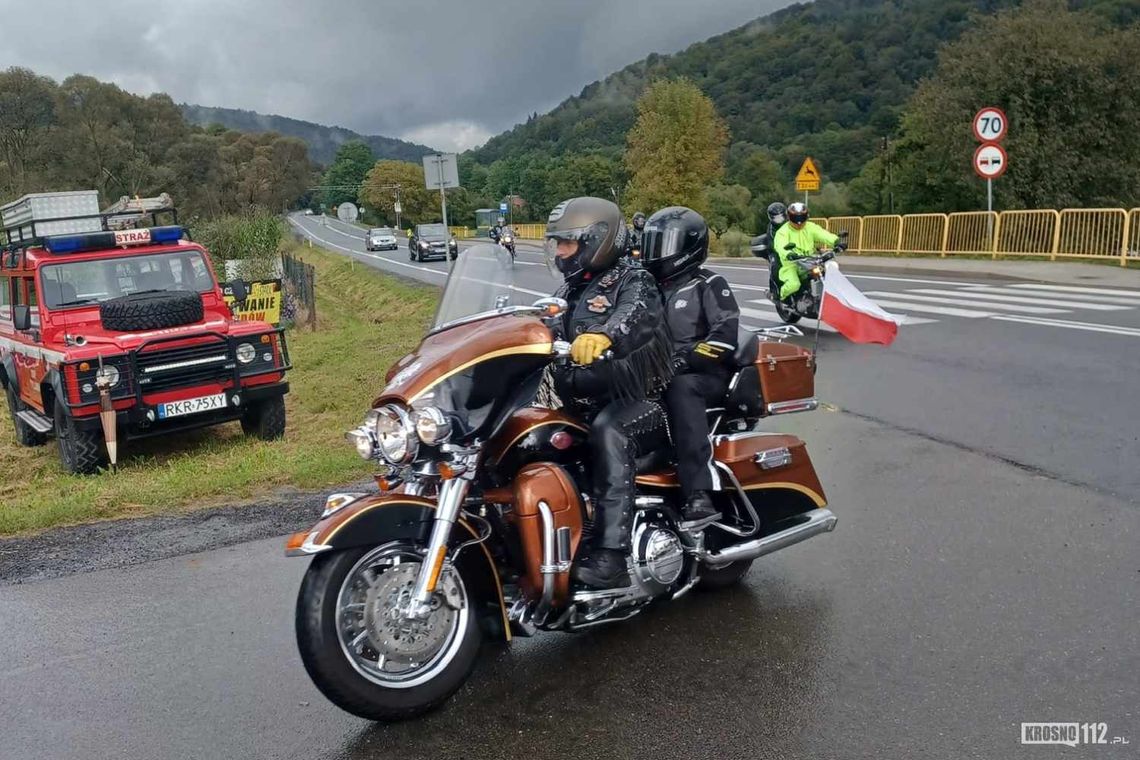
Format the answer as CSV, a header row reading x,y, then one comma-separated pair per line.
x,y
94,241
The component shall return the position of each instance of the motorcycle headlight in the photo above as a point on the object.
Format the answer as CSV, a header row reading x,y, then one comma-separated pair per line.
x,y
246,353
108,373
432,426
363,442
395,434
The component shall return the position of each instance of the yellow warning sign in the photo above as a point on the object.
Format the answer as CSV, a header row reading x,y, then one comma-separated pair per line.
x,y
807,180
262,305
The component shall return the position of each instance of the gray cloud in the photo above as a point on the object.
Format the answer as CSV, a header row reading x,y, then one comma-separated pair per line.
x,y
445,72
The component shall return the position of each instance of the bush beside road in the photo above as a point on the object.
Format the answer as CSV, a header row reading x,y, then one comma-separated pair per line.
x,y
367,321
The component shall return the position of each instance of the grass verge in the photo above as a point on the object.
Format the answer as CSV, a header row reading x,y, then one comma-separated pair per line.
x,y
367,320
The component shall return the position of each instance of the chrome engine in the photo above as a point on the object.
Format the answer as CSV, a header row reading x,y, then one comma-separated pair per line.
x,y
658,557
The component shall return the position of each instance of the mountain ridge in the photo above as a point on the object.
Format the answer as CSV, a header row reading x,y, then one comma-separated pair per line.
x,y
323,140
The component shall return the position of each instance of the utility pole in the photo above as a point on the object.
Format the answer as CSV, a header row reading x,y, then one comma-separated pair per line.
x,y
511,206
890,183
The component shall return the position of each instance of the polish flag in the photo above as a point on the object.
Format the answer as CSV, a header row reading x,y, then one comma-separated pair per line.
x,y
855,316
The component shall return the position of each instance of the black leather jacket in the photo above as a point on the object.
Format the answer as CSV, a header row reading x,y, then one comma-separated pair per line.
x,y
700,308
624,304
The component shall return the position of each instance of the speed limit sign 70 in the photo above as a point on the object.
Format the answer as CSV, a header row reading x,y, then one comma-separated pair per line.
x,y
990,125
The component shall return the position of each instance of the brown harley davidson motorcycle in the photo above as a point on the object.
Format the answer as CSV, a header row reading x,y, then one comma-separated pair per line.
x,y
485,502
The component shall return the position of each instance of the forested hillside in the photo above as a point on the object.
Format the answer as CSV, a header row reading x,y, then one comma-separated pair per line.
x,y
828,79
84,134
323,141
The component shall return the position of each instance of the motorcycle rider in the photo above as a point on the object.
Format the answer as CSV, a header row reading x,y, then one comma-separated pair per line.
x,y
614,310
636,230
497,230
805,238
703,320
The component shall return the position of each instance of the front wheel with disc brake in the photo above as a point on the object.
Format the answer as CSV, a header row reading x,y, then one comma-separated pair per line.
x,y
364,653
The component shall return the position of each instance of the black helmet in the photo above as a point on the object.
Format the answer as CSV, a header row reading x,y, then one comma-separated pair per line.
x,y
639,221
777,213
676,241
596,224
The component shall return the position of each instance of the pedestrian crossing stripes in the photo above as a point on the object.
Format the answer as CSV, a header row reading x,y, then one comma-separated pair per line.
x,y
1036,304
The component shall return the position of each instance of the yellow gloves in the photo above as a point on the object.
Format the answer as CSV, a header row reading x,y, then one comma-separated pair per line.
x,y
588,347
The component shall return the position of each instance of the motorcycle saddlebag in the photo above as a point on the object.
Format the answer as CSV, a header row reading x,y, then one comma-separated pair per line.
x,y
787,378
775,472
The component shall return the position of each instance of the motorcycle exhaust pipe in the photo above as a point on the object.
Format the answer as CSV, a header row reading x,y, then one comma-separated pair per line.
x,y
819,521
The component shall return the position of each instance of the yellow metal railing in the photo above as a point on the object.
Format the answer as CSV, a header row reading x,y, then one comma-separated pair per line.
x,y
1132,249
923,233
461,233
970,232
881,234
1027,233
852,225
1100,232
530,231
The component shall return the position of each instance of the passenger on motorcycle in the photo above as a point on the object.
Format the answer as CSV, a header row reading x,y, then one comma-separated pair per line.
x,y
805,237
614,315
703,320
777,216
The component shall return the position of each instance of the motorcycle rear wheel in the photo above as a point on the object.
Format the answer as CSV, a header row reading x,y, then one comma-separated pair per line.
x,y
348,642
723,577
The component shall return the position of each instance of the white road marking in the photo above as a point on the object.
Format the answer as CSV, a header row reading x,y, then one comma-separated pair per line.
x,y
1134,294
1016,308
1003,298
1078,297
906,318
764,270
1089,326
927,309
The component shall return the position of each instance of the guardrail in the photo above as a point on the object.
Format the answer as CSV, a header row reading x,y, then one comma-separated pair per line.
x,y
1086,233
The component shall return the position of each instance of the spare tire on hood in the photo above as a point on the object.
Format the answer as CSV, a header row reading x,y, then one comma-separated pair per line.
x,y
151,310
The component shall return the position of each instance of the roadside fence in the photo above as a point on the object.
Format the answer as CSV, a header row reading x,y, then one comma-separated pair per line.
x,y
1107,234
300,280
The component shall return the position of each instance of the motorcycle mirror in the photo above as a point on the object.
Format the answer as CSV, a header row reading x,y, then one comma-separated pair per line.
x,y
551,307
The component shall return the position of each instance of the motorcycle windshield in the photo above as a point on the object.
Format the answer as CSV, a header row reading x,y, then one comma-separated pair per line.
x,y
482,279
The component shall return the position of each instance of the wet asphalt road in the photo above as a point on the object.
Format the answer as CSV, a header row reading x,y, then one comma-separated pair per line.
x,y
967,589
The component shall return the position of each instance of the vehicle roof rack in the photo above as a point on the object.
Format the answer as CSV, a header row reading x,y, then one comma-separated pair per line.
x,y
27,231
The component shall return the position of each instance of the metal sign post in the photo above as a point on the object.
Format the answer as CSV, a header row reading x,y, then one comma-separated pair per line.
x,y
990,160
441,171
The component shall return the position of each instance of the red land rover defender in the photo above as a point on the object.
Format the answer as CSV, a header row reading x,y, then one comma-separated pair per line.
x,y
86,304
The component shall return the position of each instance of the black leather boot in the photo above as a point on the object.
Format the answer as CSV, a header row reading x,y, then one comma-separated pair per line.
x,y
699,509
602,568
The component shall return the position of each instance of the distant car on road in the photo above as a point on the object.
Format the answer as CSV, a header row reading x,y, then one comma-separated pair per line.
x,y
308,212
380,239
431,241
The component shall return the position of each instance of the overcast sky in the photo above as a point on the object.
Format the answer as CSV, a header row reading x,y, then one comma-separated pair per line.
x,y
447,73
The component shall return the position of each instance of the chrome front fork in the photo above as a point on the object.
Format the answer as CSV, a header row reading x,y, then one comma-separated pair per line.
x,y
451,495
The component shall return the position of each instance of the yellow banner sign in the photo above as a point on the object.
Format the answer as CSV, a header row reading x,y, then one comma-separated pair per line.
x,y
808,179
262,305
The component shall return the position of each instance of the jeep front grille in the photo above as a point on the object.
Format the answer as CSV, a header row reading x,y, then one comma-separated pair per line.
x,y
184,367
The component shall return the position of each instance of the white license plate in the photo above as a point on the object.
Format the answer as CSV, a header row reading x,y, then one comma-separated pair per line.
x,y
191,406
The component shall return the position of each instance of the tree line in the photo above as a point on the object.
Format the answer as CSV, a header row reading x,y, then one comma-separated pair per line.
x,y
83,134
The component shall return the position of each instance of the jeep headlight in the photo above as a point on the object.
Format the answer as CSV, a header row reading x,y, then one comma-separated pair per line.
x,y
395,434
246,353
432,426
108,374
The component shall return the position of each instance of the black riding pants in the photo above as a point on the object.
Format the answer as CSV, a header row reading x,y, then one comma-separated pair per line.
x,y
622,432
687,399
